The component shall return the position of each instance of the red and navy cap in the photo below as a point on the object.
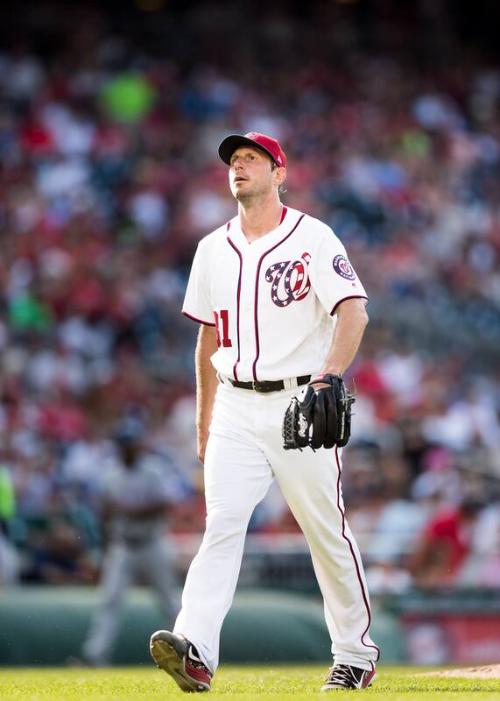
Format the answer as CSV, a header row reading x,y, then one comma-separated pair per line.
x,y
253,138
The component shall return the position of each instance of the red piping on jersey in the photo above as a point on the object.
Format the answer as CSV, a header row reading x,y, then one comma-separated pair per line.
x,y
283,214
200,321
344,299
235,366
356,564
257,345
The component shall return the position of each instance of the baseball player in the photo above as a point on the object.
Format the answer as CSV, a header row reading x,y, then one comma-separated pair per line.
x,y
136,497
281,315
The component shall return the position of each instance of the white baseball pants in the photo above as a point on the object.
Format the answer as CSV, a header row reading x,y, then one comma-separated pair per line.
x,y
244,454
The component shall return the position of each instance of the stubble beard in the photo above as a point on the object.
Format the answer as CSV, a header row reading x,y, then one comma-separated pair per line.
x,y
249,198
244,199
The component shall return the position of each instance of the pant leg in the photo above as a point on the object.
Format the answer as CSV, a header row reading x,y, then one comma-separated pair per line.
x,y
237,477
311,484
114,583
157,569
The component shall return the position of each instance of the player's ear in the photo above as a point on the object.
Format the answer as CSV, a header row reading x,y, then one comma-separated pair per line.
x,y
279,175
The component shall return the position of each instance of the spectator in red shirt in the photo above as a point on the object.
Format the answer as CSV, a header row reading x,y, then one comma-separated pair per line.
x,y
444,545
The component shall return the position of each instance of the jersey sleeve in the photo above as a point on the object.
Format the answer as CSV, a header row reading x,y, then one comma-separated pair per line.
x,y
332,276
197,298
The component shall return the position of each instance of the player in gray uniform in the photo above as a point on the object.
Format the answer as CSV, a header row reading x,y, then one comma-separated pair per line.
x,y
136,494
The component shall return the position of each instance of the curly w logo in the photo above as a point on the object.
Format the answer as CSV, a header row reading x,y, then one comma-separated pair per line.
x,y
290,280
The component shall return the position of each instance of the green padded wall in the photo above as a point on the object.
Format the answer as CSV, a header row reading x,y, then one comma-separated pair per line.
x,y
45,626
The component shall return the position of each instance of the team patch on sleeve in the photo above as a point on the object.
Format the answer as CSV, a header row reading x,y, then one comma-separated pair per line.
x,y
343,268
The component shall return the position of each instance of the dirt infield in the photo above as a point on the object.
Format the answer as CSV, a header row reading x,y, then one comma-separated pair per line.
x,y
483,672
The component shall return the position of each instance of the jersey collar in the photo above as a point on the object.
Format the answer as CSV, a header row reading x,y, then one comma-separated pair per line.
x,y
288,220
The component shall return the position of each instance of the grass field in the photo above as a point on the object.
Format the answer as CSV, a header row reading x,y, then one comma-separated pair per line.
x,y
271,683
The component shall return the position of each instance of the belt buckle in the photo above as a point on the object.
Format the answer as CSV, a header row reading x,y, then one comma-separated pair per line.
x,y
262,386
259,386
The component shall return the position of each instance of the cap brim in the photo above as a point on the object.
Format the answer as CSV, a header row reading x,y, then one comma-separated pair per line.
x,y
234,141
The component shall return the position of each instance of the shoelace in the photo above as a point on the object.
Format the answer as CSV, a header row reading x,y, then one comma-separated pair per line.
x,y
340,674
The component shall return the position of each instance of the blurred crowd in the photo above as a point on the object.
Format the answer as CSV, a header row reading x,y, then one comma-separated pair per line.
x,y
109,177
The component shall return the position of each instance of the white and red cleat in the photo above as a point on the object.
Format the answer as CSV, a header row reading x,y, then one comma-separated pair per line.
x,y
178,657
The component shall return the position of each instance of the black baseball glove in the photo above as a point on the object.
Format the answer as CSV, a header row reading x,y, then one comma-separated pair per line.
x,y
319,417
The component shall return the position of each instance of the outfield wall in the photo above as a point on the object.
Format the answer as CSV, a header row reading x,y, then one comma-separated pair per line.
x,y
46,626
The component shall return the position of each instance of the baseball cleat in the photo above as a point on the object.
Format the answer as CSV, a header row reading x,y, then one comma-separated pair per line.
x,y
343,676
178,657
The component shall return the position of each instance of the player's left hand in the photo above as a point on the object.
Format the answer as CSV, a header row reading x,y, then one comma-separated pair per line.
x,y
320,416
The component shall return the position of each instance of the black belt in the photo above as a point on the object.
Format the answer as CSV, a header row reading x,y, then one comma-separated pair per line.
x,y
267,385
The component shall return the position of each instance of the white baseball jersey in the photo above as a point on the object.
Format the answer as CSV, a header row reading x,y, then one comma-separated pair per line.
x,y
272,301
